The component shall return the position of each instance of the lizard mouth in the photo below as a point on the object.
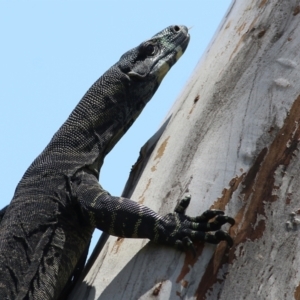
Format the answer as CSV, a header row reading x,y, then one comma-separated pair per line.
x,y
165,63
185,42
182,41
182,47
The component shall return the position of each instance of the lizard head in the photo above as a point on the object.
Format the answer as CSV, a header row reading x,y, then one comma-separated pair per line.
x,y
146,65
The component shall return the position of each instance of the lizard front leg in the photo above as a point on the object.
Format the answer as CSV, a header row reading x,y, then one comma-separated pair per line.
x,y
126,218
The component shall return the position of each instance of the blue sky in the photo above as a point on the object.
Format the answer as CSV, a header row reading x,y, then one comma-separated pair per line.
x,y
53,51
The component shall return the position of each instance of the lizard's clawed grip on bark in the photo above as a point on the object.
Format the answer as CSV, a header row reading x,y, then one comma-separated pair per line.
x,y
181,230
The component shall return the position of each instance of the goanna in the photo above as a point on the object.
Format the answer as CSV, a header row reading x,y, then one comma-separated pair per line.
x,y
58,202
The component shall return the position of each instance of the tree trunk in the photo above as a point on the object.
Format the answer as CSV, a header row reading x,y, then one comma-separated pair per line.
x,y
231,140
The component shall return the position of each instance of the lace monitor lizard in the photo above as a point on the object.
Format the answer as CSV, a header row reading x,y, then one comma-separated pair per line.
x,y
47,227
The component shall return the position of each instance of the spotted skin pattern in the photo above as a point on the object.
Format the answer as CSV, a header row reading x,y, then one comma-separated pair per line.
x,y
46,229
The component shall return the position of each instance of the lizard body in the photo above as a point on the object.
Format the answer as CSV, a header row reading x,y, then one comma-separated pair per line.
x,y
58,203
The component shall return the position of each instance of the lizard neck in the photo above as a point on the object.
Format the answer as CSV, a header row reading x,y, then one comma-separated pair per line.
x,y
97,123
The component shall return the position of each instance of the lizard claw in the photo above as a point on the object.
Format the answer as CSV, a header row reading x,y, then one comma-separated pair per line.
x,y
188,244
224,236
225,219
183,204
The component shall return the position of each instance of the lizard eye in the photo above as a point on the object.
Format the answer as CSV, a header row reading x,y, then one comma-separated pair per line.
x,y
150,50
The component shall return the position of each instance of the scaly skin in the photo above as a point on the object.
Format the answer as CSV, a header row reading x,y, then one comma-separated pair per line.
x,y
58,203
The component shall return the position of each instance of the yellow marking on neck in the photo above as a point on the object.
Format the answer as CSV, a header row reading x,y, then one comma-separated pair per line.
x,y
179,52
163,70
165,67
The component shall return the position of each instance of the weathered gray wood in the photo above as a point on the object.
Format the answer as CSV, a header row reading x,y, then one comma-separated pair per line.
x,y
232,142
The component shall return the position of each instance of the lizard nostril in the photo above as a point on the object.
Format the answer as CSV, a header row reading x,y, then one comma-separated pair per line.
x,y
176,28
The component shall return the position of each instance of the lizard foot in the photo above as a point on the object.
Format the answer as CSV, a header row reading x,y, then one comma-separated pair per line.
x,y
180,230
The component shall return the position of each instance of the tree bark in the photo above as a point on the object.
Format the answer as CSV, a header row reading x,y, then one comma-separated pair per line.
x,y
231,140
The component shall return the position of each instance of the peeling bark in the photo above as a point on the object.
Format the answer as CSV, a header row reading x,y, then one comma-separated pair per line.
x,y
232,141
